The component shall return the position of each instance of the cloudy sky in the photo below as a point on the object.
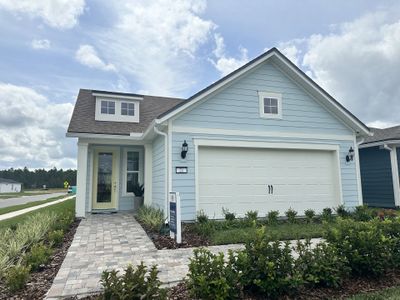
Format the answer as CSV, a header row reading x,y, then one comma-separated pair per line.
x,y
51,48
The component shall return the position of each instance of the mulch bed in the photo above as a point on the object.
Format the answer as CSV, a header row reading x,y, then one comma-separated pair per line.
x,y
189,238
40,281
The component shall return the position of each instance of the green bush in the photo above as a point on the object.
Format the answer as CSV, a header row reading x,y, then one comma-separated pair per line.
x,y
210,277
229,216
38,255
252,215
56,237
321,265
151,217
327,214
16,277
341,211
266,266
272,217
364,244
64,221
362,213
310,214
291,215
202,217
136,284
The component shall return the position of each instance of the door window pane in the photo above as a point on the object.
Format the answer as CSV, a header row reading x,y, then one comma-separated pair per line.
x,y
104,177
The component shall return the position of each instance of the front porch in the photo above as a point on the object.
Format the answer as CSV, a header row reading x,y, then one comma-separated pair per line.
x,y
108,174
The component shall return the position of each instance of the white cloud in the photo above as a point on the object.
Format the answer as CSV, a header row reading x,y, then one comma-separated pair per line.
x,y
32,130
41,44
359,64
223,63
88,56
381,124
154,43
61,14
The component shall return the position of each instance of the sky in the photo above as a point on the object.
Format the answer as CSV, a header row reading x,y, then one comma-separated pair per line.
x,y
49,49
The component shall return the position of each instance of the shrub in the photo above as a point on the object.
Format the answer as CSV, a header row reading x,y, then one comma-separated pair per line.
x,y
327,214
310,214
39,255
291,215
56,237
138,189
210,277
362,213
252,215
272,217
341,211
266,266
151,217
229,216
321,265
364,244
202,217
136,283
64,222
16,277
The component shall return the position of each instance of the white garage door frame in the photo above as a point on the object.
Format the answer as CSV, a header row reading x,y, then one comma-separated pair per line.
x,y
263,145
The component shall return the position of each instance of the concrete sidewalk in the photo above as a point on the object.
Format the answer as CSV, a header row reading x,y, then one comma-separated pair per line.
x,y
29,209
27,199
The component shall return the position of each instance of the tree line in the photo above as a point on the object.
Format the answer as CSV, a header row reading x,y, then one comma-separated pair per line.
x,y
53,178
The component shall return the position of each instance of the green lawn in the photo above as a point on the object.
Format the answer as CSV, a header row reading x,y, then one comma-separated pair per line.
x,y
30,193
386,294
66,206
6,210
283,231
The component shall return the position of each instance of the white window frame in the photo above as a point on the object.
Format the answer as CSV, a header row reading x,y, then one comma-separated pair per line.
x,y
125,172
108,102
262,96
117,117
128,109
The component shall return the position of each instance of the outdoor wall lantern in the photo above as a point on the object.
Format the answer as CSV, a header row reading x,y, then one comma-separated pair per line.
x,y
350,155
185,148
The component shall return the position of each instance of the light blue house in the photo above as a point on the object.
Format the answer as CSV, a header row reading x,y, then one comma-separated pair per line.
x,y
265,137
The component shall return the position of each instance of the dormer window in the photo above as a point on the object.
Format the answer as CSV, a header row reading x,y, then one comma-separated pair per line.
x,y
270,105
108,107
127,109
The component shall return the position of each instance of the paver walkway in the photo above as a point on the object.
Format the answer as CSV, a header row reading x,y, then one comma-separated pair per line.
x,y
113,241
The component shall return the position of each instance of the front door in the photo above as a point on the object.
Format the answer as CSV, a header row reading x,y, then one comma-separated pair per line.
x,y
105,178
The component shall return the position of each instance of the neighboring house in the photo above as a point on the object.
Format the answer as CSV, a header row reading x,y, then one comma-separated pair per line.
x,y
265,137
380,167
9,186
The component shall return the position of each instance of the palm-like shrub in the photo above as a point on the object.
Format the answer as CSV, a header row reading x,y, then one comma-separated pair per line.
x,y
151,217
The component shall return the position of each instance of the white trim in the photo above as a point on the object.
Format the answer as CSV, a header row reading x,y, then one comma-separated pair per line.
x,y
380,143
169,156
90,175
273,53
358,174
253,144
124,171
132,136
117,116
81,178
165,135
267,145
261,98
216,131
148,173
116,96
395,175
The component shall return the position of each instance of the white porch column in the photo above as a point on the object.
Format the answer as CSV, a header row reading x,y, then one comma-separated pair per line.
x,y
148,172
81,179
395,175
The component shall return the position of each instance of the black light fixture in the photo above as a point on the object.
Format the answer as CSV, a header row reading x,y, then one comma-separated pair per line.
x,y
350,155
185,148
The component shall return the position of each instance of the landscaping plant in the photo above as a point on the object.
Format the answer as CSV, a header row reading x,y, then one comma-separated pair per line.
x,y
310,214
151,217
16,277
135,283
202,217
291,215
327,214
251,215
229,216
362,213
38,255
211,277
56,237
342,212
272,217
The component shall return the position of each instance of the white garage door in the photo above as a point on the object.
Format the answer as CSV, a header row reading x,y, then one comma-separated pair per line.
x,y
243,179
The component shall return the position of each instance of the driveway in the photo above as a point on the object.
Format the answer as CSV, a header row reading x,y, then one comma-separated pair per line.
x,y
27,199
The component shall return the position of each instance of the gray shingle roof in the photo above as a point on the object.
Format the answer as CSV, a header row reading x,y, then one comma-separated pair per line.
x,y
83,117
380,135
5,180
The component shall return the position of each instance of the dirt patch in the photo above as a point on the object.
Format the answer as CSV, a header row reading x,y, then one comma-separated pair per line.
x,y
164,241
40,281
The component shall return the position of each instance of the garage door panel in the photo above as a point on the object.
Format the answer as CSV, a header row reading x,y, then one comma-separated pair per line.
x,y
238,179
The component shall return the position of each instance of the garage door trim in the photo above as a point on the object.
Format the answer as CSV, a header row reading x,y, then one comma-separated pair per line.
x,y
266,145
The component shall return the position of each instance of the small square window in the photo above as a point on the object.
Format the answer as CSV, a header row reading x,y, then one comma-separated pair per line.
x,y
270,105
127,109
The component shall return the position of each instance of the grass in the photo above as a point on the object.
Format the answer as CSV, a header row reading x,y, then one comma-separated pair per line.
x,y
68,205
283,231
30,193
386,294
9,209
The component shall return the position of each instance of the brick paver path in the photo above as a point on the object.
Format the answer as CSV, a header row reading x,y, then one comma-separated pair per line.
x,y
113,241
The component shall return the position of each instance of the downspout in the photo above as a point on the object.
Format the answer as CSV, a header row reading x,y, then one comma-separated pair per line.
x,y
165,135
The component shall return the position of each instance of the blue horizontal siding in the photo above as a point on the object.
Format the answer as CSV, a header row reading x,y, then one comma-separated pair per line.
x,y
376,177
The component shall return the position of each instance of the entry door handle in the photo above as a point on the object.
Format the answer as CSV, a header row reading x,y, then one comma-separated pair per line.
x,y
115,186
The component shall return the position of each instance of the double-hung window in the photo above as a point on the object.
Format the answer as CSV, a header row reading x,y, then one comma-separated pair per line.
x,y
127,109
132,170
108,107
